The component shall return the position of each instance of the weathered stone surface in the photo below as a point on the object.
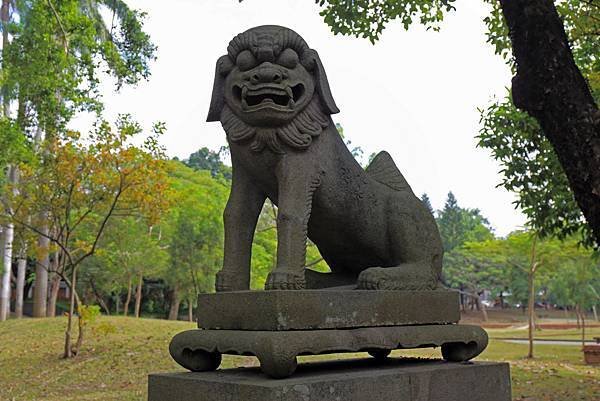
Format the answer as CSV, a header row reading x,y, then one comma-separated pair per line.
x,y
272,97
364,380
325,309
200,350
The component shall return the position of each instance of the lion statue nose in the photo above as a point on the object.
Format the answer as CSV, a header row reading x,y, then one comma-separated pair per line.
x,y
266,74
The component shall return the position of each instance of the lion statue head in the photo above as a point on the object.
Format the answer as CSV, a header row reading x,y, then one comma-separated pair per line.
x,y
271,88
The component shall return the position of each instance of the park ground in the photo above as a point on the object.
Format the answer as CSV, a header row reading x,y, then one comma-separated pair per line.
x,y
119,353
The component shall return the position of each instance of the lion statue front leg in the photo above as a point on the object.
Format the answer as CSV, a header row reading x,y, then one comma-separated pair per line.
x,y
239,218
297,184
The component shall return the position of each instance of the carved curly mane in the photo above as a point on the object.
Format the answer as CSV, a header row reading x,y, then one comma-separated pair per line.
x,y
297,134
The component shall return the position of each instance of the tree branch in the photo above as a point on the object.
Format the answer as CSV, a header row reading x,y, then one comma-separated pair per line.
x,y
62,28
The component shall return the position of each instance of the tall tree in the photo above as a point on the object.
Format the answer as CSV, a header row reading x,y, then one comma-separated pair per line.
x,y
194,232
80,186
548,84
206,159
51,70
550,87
458,225
530,166
427,202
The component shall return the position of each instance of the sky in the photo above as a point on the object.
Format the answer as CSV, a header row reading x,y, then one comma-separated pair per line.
x,y
414,93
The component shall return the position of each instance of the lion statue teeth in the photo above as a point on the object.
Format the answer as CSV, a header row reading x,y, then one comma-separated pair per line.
x,y
273,100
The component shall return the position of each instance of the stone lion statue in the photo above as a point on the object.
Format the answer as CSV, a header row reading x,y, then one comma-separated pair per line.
x,y
273,100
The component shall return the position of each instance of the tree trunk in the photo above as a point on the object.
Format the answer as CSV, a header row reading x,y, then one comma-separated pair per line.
x,y
9,233
9,229
5,14
175,302
117,303
582,313
20,287
138,295
99,298
531,319
483,309
128,299
54,290
40,291
80,329
55,281
549,86
190,310
531,301
68,348
6,272
595,313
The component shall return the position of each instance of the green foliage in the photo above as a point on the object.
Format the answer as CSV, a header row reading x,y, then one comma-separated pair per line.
x,y
577,282
565,274
59,49
83,182
206,159
458,225
531,169
581,23
128,247
368,18
194,229
427,202
88,313
14,145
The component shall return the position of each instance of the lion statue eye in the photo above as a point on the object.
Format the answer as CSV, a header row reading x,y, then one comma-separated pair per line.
x,y
288,58
246,60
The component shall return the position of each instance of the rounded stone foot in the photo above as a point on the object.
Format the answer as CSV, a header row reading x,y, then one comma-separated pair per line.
x,y
380,354
460,352
199,360
278,366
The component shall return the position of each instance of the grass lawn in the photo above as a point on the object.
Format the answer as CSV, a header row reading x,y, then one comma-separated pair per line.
x,y
119,353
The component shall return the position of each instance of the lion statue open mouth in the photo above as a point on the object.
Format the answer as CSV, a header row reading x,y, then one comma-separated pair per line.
x,y
273,99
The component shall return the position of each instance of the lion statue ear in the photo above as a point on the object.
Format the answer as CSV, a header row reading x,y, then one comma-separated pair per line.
x,y
224,67
311,60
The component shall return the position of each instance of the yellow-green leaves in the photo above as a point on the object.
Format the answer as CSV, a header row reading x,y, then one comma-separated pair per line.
x,y
368,18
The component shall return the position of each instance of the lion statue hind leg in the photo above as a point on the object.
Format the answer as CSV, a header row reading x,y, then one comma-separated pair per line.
x,y
407,276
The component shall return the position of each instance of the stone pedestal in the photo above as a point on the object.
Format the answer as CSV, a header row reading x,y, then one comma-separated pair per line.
x,y
278,326
325,309
349,380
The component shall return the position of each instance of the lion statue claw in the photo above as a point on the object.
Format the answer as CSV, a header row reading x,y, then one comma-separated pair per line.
x,y
273,100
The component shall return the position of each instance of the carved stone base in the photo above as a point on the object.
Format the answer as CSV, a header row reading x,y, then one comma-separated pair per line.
x,y
325,309
200,350
349,380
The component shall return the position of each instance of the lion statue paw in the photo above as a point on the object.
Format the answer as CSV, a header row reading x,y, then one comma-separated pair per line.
x,y
285,281
405,278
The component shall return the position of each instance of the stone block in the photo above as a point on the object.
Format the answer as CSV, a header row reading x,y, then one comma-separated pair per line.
x,y
325,309
349,380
